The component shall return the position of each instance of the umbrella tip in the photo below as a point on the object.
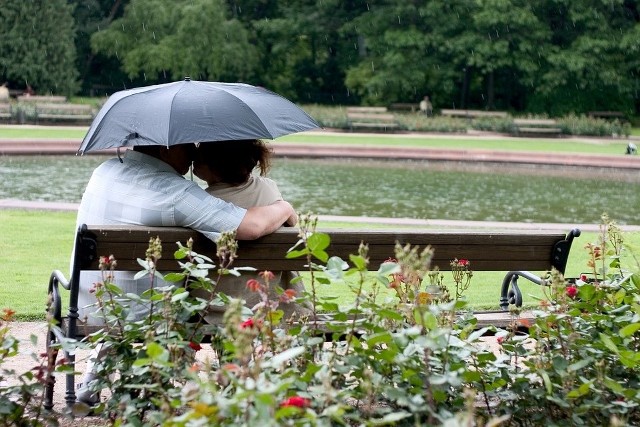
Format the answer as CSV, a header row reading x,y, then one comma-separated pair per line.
x,y
187,78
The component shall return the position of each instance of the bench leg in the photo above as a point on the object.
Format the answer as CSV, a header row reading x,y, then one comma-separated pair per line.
x,y
52,355
510,293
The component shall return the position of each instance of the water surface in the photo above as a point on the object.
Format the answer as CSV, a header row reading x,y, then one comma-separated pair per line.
x,y
401,189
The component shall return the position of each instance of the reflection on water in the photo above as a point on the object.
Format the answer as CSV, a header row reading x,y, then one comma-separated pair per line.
x,y
400,189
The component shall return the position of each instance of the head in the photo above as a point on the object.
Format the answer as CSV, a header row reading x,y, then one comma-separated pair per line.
x,y
231,162
178,156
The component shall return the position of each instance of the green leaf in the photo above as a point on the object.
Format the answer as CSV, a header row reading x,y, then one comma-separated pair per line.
x,y
389,419
287,355
580,391
359,262
629,330
174,277
154,350
383,337
613,385
297,253
579,364
547,381
608,342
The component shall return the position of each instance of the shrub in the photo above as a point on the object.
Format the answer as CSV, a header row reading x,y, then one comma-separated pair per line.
x,y
582,125
415,358
20,392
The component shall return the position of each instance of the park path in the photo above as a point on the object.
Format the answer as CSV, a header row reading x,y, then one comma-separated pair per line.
x,y
41,146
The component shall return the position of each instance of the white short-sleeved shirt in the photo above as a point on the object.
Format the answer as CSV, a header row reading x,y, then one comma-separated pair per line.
x,y
143,190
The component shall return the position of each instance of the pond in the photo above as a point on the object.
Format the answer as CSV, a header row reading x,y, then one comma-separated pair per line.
x,y
397,189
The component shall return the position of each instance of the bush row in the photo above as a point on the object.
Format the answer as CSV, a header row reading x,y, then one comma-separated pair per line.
x,y
336,117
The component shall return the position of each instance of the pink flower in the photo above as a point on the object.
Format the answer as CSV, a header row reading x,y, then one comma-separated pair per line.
x,y
288,295
297,401
500,340
195,346
253,285
463,262
267,275
572,291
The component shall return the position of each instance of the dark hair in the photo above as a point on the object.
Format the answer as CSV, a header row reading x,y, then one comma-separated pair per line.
x,y
233,161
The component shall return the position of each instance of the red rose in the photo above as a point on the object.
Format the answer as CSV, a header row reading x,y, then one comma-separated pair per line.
x,y
463,262
583,277
572,291
247,323
297,401
195,346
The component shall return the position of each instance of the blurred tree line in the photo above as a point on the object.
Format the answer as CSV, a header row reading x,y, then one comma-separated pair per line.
x,y
546,56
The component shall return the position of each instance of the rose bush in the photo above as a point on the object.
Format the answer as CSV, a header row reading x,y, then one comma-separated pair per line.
x,y
414,356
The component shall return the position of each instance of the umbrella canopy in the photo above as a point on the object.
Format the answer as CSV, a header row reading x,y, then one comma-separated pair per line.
x,y
189,111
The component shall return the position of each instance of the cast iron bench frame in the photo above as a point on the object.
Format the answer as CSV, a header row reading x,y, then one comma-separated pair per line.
x,y
518,252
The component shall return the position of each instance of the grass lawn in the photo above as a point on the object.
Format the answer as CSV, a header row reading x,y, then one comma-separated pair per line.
x,y
27,259
610,147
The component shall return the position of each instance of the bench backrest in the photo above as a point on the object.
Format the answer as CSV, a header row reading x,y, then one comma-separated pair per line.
x,y
487,251
65,108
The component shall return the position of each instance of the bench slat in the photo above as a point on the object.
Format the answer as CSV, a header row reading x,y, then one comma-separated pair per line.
x,y
486,251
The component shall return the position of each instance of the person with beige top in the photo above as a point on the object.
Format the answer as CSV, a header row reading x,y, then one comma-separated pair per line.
x,y
227,167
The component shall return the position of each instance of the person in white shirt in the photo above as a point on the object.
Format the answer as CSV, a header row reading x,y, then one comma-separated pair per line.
x,y
147,187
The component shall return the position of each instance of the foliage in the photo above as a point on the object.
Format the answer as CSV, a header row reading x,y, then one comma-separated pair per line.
x,y
582,125
37,46
21,392
414,359
171,40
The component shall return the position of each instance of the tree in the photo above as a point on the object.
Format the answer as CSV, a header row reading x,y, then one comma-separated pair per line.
x,y
587,65
306,51
37,45
99,74
160,40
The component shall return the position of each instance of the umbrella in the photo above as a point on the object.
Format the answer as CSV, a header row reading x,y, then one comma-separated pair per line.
x,y
189,111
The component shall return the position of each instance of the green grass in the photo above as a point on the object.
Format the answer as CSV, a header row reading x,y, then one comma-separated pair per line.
x,y
27,258
577,145
38,132
612,147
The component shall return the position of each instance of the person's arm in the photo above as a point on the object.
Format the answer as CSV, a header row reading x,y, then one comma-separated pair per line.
x,y
262,220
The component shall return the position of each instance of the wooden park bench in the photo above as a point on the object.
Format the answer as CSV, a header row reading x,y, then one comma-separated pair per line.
x,y
400,106
5,111
519,253
62,112
371,118
50,99
536,127
473,114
